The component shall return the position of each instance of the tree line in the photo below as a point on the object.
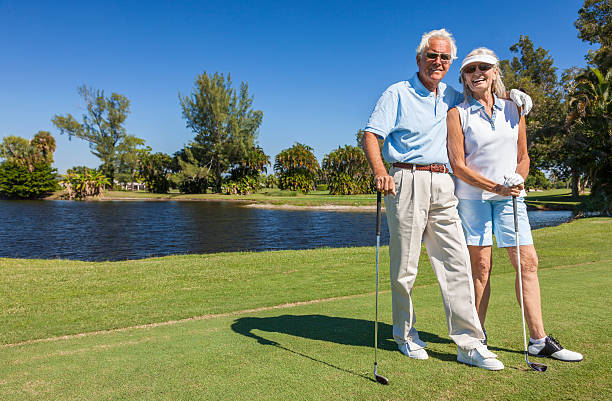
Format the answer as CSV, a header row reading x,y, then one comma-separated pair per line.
x,y
223,156
569,130
569,134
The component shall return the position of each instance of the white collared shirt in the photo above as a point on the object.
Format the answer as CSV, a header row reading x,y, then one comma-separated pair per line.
x,y
490,144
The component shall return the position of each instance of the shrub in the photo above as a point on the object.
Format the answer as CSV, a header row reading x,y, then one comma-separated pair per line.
x,y
18,182
269,181
86,184
155,170
348,172
243,186
190,185
302,181
297,168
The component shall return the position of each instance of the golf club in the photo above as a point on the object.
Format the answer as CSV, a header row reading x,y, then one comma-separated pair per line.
x,y
533,365
379,378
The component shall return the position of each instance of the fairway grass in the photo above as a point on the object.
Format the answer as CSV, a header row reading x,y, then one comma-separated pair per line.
x,y
557,199
289,325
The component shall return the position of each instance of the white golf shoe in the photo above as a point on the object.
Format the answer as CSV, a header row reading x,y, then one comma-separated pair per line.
x,y
551,348
414,349
480,357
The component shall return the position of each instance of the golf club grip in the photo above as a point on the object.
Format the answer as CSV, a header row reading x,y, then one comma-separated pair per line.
x,y
515,214
378,202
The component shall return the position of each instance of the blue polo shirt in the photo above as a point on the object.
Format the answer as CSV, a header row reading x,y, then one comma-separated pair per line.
x,y
412,122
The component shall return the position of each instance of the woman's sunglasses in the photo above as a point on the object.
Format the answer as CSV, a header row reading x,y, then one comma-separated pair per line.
x,y
470,69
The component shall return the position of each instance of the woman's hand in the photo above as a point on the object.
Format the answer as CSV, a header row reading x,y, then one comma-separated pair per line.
x,y
508,191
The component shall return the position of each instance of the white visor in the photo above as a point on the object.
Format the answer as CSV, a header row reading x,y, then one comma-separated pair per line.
x,y
478,58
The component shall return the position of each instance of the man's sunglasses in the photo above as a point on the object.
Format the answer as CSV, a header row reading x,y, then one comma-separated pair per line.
x,y
445,57
470,69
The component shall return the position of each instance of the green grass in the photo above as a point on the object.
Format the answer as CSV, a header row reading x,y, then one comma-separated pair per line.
x,y
318,350
558,199
268,196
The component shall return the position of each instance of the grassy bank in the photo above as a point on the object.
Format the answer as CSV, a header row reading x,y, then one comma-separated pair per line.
x,y
287,325
556,199
265,196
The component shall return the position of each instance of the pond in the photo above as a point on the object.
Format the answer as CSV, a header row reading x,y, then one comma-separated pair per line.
x,y
97,231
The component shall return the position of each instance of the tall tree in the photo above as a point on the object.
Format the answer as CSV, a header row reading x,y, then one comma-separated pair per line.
x,y
532,69
535,64
224,123
28,153
15,149
594,26
591,115
45,143
102,126
129,152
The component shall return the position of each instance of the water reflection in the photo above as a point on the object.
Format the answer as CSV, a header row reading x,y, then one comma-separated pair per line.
x,y
131,230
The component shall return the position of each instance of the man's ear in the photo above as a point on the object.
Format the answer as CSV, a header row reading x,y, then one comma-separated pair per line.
x,y
418,59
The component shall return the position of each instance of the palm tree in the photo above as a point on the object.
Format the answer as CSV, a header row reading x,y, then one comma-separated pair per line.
x,y
591,114
297,168
348,172
591,101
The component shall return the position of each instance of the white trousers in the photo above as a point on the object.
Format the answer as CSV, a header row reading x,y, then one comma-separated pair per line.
x,y
425,208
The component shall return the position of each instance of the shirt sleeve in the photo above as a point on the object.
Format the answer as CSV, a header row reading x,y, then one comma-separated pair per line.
x,y
383,118
457,98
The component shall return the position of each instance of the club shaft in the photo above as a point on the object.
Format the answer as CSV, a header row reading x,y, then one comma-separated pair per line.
x,y
520,276
378,207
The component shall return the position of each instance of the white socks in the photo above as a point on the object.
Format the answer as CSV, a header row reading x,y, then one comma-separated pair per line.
x,y
538,341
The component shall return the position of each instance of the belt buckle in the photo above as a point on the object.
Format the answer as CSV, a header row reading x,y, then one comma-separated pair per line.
x,y
438,168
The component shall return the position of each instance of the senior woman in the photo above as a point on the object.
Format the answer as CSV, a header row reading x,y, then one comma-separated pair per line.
x,y
487,148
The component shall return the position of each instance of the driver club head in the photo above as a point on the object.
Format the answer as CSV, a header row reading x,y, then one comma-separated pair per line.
x,y
384,380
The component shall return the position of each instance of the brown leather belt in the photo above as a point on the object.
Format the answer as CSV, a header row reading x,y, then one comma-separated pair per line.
x,y
434,168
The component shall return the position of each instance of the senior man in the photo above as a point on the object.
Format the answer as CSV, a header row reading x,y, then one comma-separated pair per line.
x,y
420,205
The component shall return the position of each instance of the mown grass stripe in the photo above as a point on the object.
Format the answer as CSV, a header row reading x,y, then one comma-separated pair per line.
x,y
178,321
238,313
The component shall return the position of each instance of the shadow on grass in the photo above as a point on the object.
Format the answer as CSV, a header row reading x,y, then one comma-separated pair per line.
x,y
339,330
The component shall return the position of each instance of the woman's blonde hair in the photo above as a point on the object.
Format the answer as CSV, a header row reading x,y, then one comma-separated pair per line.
x,y
498,87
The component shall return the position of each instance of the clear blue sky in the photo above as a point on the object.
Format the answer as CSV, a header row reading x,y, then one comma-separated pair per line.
x,y
315,68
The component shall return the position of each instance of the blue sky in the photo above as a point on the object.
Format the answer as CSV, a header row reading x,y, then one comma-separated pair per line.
x,y
315,68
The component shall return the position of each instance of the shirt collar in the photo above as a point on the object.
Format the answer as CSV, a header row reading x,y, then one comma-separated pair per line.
x,y
418,86
475,105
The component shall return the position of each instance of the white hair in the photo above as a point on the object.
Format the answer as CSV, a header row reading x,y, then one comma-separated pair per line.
x,y
439,34
498,87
